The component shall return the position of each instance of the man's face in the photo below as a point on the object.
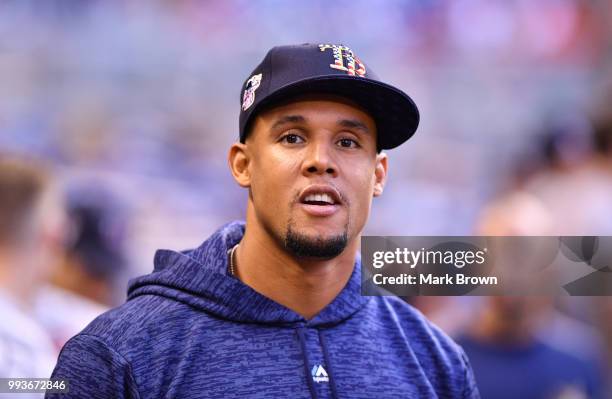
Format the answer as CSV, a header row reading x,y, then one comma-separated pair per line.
x,y
312,172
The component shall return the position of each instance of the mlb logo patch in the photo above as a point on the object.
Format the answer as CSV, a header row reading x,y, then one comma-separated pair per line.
x,y
248,97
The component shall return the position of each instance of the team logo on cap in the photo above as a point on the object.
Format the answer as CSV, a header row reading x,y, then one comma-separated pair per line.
x,y
248,97
345,59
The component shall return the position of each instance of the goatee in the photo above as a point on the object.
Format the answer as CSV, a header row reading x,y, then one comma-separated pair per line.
x,y
304,246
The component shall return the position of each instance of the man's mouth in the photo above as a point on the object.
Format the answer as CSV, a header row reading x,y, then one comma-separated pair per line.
x,y
320,200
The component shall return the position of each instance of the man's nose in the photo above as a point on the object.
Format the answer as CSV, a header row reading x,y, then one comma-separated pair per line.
x,y
320,160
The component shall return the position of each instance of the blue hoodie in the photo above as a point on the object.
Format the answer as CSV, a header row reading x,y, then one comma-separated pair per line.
x,y
190,330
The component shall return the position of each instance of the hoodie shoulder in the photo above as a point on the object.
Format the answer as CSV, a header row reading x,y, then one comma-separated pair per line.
x,y
443,360
135,318
108,357
419,328
93,370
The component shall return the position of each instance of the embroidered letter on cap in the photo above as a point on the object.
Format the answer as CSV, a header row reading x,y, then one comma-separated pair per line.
x,y
341,53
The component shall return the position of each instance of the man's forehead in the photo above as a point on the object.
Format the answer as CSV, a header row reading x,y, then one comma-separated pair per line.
x,y
295,108
311,97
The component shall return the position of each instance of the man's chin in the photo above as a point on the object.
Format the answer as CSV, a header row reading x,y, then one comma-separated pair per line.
x,y
315,245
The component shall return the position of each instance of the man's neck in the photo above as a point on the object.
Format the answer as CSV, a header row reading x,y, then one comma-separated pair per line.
x,y
305,286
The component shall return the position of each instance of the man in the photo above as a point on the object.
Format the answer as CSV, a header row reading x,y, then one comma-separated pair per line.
x,y
272,308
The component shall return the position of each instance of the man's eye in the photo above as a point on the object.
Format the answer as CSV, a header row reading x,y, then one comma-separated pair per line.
x,y
292,138
348,143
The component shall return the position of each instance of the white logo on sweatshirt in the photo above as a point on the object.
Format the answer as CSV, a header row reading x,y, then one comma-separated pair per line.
x,y
319,374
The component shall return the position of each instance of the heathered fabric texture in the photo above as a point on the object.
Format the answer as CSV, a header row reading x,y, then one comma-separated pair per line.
x,y
189,330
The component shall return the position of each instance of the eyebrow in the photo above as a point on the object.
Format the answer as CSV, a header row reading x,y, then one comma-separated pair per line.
x,y
283,120
353,124
345,123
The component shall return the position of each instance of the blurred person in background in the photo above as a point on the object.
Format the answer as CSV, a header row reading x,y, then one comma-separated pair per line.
x,y
86,283
509,343
518,214
31,241
511,360
575,186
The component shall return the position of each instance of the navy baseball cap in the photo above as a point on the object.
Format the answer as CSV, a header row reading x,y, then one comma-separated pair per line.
x,y
287,71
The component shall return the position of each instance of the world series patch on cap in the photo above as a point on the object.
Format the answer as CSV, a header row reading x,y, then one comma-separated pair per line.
x,y
287,71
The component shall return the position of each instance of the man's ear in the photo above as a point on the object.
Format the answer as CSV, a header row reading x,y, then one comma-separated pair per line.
x,y
380,174
239,162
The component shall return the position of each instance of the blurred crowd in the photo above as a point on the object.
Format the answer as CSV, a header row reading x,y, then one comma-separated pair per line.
x,y
116,117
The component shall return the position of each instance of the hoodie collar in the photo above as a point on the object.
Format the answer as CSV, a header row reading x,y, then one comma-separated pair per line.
x,y
200,278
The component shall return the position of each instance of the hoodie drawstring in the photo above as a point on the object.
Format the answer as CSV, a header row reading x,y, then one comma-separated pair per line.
x,y
330,372
311,387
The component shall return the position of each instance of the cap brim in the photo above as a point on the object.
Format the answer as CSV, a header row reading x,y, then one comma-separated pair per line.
x,y
396,115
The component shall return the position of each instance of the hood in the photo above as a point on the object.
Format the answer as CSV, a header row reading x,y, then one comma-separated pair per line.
x,y
200,278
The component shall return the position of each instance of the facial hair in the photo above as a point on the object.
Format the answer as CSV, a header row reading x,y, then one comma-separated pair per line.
x,y
303,246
